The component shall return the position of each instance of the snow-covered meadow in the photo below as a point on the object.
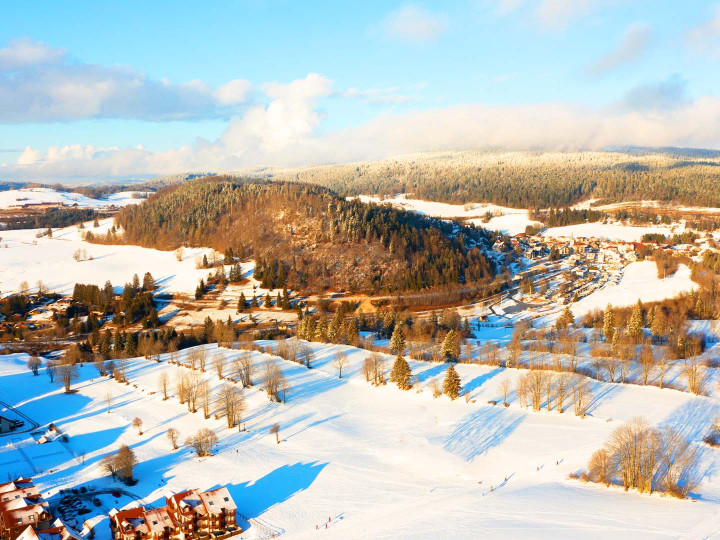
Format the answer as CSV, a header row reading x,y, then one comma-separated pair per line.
x,y
377,461
20,197
24,257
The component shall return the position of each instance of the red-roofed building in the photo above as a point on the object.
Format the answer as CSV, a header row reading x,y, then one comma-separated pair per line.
x,y
21,506
189,514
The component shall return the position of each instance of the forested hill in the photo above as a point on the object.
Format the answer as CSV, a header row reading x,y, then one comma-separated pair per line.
x,y
322,240
527,179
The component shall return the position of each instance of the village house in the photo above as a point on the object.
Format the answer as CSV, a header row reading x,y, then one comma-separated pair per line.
x,y
58,531
190,514
21,506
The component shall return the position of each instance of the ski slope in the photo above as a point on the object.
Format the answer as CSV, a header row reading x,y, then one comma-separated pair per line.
x,y
376,462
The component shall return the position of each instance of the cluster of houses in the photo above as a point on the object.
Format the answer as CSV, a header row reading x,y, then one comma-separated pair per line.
x,y
24,515
190,514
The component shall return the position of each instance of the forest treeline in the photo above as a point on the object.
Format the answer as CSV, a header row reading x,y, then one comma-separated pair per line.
x,y
526,180
319,239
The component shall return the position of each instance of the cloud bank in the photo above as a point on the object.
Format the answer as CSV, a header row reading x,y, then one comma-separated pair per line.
x,y
39,83
288,131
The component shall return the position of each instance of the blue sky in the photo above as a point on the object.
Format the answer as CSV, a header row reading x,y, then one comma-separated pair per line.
x,y
94,90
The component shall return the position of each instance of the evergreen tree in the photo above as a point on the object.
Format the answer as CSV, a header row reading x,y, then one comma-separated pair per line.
x,y
635,324
254,302
397,341
286,300
659,325
609,323
148,282
205,261
450,348
401,374
566,319
241,303
268,302
135,283
451,385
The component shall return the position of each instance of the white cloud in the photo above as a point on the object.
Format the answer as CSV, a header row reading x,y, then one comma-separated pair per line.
x,y
557,14
22,53
663,95
392,95
631,47
39,84
705,38
234,92
414,24
288,131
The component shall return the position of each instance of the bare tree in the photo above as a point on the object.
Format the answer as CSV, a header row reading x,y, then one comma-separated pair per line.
x,y
67,372
164,382
125,461
272,380
231,402
51,369
581,395
192,359
275,429
663,365
696,375
100,365
202,442
647,361
108,400
602,467
205,396
308,356
378,368
611,366
181,386
193,381
201,358
173,436
219,364
561,387
34,364
245,367
340,361
367,368
107,465
137,424
505,388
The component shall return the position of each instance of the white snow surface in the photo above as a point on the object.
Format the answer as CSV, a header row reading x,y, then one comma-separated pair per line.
x,y
507,220
27,258
19,197
608,231
376,461
639,282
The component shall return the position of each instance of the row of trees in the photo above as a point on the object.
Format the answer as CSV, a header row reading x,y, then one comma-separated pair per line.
x,y
641,457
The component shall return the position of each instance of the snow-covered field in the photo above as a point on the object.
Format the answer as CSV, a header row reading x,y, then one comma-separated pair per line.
x,y
609,231
379,462
507,220
23,257
639,282
19,197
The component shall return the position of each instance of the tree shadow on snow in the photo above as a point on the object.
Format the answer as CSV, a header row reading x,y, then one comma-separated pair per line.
x,y
481,431
477,382
276,487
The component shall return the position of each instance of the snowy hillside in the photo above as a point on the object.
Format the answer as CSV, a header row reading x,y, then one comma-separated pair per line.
x,y
507,220
34,196
376,461
27,258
